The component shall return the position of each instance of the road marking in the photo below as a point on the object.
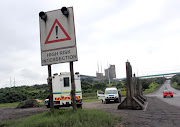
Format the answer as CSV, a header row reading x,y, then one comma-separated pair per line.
x,y
145,106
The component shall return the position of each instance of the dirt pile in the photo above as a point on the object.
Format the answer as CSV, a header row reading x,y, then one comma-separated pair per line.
x,y
28,104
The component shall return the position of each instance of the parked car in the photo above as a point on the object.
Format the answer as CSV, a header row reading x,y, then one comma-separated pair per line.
x,y
167,93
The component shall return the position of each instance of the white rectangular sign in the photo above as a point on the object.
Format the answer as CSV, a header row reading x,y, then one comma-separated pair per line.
x,y
57,34
59,56
58,31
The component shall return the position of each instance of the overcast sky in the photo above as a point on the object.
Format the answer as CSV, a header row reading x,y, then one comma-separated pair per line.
x,y
144,32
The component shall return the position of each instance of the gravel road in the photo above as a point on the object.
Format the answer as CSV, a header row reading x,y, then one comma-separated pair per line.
x,y
157,113
11,113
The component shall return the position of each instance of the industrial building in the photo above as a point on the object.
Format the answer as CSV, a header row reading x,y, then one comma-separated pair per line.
x,y
110,74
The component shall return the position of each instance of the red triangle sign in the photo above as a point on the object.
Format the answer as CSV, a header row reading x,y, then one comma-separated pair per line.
x,y
57,40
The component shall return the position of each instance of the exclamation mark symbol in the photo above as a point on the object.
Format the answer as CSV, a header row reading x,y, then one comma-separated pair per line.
x,y
56,31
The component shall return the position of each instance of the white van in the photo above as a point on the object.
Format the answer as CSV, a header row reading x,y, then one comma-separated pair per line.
x,y
111,94
61,85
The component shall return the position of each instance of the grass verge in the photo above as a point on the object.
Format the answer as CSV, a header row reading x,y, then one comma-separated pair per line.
x,y
89,99
85,99
175,85
123,93
9,104
16,104
152,87
66,118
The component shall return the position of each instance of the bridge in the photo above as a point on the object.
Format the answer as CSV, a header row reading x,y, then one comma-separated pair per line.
x,y
159,75
153,76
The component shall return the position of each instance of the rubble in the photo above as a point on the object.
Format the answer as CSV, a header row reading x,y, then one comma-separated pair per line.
x,y
28,104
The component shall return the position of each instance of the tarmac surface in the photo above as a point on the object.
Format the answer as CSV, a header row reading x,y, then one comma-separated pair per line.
x,y
156,113
159,94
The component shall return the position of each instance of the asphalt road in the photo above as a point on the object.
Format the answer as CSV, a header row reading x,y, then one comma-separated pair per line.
x,y
159,94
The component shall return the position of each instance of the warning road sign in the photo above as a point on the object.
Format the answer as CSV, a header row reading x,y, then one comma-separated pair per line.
x,y
57,38
58,31
61,34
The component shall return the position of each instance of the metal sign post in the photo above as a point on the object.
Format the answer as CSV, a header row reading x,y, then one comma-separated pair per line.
x,y
50,89
58,44
73,88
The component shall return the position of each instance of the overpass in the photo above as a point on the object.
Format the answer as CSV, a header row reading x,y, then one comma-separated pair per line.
x,y
159,75
153,76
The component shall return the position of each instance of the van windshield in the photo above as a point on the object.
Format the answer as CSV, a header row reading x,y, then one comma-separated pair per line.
x,y
111,92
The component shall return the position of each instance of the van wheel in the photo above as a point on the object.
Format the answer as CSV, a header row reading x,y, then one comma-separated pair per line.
x,y
105,102
48,106
79,106
56,107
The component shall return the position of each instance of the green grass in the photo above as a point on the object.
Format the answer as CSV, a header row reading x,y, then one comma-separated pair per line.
x,y
94,94
16,104
175,85
9,104
8,123
123,93
66,118
152,87
87,99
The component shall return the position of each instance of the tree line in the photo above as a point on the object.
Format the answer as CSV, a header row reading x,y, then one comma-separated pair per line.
x,y
176,79
89,87
21,93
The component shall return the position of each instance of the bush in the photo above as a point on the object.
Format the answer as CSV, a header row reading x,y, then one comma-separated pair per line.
x,y
21,93
28,104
